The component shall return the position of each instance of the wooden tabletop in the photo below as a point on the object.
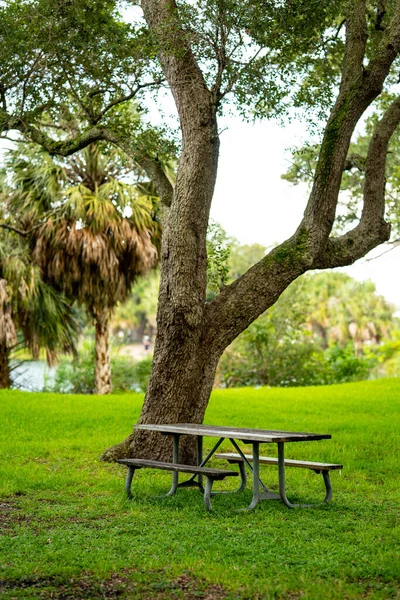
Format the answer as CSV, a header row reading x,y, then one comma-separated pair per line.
x,y
243,434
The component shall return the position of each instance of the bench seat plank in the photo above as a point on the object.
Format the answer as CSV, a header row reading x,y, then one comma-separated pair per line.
x,y
211,474
268,460
195,470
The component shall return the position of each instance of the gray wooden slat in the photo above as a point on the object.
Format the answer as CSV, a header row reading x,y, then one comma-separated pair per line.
x,y
155,464
269,460
245,434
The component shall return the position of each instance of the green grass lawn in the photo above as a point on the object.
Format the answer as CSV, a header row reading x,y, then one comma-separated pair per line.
x,y
68,532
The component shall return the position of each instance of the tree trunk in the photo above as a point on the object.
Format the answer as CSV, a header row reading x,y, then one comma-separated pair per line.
x,y
179,390
102,365
8,335
5,379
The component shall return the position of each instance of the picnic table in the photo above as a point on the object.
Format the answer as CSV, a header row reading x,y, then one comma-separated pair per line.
x,y
253,437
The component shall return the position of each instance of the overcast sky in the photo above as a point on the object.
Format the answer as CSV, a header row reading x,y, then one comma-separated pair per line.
x,y
254,204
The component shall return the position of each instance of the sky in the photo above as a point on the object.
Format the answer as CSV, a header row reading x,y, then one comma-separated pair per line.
x,y
254,204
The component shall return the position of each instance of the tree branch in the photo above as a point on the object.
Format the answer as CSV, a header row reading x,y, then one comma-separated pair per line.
x,y
124,98
380,15
84,139
372,228
359,88
148,163
179,64
388,49
310,247
11,228
354,161
356,40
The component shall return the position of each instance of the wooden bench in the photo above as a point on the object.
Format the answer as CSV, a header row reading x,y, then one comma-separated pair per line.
x,y
317,467
210,474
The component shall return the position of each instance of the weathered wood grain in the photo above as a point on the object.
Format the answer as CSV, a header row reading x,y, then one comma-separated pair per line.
x,y
268,460
140,463
239,433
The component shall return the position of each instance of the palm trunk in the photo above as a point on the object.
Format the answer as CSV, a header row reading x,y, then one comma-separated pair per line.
x,y
102,365
7,335
5,379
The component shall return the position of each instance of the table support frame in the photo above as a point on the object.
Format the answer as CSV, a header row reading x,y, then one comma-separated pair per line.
x,y
265,494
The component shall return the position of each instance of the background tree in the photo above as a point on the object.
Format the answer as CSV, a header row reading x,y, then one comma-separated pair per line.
x,y
32,314
333,58
325,328
90,233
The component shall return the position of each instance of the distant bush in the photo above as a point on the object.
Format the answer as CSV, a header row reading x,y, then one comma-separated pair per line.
x,y
297,363
77,376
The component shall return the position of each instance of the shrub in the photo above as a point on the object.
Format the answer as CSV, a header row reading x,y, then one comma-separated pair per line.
x,y
290,363
77,376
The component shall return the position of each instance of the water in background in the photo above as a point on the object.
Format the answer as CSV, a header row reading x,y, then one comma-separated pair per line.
x,y
30,375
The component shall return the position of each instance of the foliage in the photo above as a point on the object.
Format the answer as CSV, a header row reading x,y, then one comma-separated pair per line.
x,y
77,376
285,363
345,365
140,309
90,232
240,45
243,257
67,528
319,332
304,161
40,316
218,254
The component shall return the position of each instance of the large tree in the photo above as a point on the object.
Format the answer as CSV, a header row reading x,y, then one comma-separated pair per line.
x,y
336,56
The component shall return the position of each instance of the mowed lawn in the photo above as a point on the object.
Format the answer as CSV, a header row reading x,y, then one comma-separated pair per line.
x,y
69,532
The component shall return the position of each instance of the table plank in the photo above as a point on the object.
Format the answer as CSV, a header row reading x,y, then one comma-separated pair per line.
x,y
246,435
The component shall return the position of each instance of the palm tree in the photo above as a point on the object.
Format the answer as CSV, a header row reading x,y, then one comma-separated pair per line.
x,y
91,234
32,313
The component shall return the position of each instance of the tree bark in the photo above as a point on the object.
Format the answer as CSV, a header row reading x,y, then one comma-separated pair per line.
x,y
5,379
102,364
8,335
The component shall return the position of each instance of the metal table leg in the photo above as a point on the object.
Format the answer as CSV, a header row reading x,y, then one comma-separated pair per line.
x,y
282,482
128,481
200,460
175,459
256,476
194,479
208,493
328,486
242,467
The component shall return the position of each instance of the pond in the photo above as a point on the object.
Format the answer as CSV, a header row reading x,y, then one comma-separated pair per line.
x,y
30,375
